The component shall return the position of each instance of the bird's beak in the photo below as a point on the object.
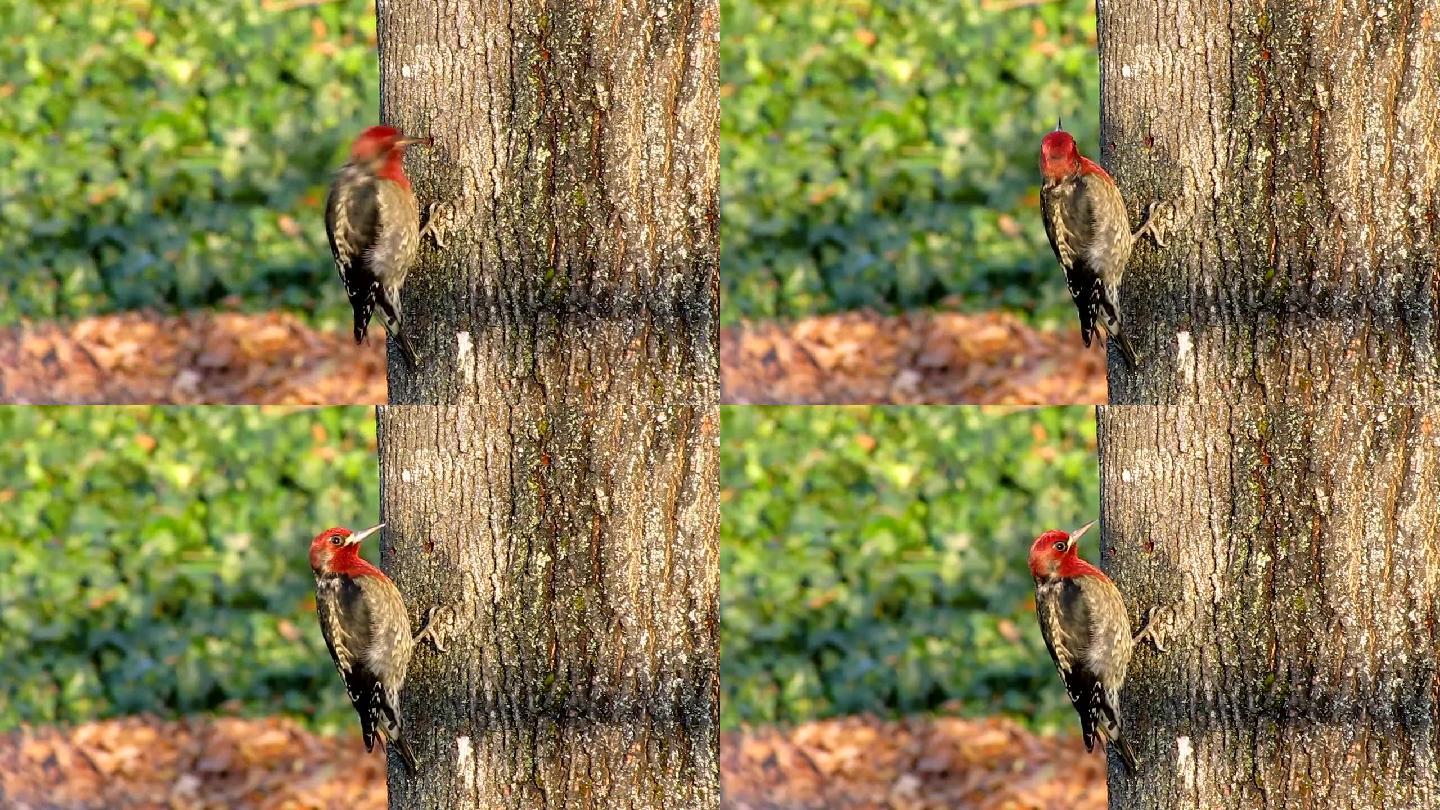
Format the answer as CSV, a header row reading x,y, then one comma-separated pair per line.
x,y
1057,124
1075,535
425,141
358,536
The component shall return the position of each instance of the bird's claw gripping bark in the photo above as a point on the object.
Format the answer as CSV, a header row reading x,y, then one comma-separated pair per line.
x,y
436,630
1153,629
1153,224
437,223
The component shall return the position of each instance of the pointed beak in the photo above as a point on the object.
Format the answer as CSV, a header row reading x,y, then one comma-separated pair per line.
x,y
425,141
358,536
1075,535
1058,127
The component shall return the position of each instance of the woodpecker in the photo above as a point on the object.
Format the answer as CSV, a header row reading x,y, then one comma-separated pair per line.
x,y
367,630
374,229
1090,233
1082,617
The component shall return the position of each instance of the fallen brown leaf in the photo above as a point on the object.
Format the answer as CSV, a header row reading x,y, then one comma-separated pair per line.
x,y
916,763
274,358
860,358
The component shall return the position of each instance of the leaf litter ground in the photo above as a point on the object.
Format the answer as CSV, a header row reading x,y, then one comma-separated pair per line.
x,y
274,358
851,763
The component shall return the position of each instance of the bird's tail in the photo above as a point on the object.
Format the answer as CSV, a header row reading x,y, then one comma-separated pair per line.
x,y
362,323
412,765
390,311
411,356
1127,755
1132,359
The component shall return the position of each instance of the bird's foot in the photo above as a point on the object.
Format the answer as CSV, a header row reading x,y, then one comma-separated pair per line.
x,y
439,623
1156,624
438,219
1155,215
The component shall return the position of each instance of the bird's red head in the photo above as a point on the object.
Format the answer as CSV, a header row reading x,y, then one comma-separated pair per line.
x,y
1059,157
382,148
337,551
1056,554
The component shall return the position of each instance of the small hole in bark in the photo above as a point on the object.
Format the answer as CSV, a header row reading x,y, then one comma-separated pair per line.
x,y
1149,546
429,546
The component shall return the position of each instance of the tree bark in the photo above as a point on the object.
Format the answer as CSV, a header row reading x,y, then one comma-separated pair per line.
x,y
1297,141
564,498
579,552
1298,552
577,150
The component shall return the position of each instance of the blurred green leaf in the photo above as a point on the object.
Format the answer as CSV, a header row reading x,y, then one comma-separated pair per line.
x,y
174,154
154,559
873,559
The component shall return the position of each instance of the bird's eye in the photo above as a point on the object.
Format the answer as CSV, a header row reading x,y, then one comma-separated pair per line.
x,y
1060,545
335,541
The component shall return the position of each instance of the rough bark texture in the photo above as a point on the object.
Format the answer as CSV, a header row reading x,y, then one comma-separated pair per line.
x,y
1298,141
570,510
1300,552
577,147
579,551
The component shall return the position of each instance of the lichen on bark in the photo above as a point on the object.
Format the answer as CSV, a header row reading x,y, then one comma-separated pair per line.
x,y
550,466
1297,142
1298,550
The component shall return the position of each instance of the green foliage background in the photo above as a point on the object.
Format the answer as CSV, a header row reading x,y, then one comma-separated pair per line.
x,y
154,559
873,559
174,154
882,153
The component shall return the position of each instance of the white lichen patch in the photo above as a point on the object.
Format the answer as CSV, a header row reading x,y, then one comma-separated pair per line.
x,y
465,763
465,357
1184,357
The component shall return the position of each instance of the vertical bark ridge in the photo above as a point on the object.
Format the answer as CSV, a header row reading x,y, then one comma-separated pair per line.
x,y
565,492
584,573
578,148
1298,547
1297,141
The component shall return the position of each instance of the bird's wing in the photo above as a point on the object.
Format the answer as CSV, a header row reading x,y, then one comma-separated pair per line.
x,y
352,217
1069,223
349,632
1083,687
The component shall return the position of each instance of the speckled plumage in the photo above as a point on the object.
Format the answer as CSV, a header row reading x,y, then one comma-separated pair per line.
x,y
367,631
1089,231
373,225
1087,631
1090,648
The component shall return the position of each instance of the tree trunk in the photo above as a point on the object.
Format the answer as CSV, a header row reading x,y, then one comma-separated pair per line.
x,y
569,512
1299,550
579,551
577,149
1298,141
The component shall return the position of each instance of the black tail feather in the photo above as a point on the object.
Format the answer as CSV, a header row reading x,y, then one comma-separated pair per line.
x,y
1127,755
411,356
1132,359
412,765
390,311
